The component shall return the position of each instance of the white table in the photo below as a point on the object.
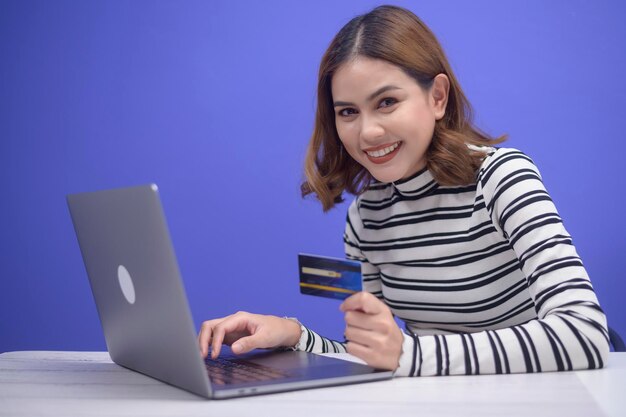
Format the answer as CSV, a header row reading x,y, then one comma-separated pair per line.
x,y
67,384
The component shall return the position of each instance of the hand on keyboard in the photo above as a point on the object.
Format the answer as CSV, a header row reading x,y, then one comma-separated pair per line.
x,y
246,331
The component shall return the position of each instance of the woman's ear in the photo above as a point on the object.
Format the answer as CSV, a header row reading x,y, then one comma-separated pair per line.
x,y
439,95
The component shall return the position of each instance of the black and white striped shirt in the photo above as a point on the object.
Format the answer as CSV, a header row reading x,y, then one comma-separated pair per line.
x,y
485,276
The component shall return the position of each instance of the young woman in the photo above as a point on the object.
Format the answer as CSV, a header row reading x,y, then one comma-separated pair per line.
x,y
457,238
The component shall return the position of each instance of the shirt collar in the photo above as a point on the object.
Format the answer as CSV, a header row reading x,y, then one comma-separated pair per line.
x,y
418,184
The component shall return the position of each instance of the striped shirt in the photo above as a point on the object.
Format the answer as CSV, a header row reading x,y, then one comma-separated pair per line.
x,y
485,276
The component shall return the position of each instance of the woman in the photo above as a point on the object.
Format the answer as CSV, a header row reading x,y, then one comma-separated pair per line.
x,y
457,238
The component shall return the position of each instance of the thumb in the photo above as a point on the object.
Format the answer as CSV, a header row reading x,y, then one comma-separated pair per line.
x,y
362,301
246,344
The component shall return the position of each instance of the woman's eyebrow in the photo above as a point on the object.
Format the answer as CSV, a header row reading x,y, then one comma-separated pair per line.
x,y
370,97
381,90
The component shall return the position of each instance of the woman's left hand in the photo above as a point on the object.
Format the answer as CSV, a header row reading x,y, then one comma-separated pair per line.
x,y
371,331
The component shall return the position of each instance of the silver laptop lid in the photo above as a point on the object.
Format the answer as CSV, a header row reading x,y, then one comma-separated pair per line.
x,y
135,280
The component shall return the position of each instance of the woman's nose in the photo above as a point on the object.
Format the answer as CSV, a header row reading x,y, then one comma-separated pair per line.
x,y
371,129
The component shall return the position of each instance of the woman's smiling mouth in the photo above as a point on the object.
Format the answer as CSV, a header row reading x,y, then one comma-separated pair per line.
x,y
381,155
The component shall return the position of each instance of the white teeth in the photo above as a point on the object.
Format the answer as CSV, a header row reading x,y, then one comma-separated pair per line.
x,y
383,152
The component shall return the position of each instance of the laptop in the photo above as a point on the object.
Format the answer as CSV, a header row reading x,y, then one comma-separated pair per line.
x,y
145,316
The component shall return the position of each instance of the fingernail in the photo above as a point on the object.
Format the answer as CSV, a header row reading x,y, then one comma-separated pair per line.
x,y
236,348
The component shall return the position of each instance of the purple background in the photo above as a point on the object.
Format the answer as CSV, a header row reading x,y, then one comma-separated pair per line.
x,y
214,101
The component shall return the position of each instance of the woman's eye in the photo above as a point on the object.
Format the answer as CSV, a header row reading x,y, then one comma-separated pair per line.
x,y
347,112
387,102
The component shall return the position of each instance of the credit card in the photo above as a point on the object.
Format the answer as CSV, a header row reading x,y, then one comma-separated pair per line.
x,y
329,277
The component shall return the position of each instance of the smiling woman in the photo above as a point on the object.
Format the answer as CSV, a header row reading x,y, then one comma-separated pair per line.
x,y
396,121
457,238
388,51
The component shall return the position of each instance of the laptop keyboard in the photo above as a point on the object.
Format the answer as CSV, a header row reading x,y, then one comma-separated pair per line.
x,y
223,371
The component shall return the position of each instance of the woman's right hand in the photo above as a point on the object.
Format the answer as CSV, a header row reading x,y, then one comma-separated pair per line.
x,y
246,331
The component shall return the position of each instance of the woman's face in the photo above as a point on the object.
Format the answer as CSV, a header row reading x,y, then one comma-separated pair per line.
x,y
384,119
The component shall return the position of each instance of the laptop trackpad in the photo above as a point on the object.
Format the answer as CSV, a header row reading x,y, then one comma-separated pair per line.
x,y
303,363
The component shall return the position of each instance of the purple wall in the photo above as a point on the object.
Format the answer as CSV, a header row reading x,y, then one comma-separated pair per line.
x,y
213,101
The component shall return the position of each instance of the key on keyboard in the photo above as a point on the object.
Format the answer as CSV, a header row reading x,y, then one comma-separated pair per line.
x,y
224,371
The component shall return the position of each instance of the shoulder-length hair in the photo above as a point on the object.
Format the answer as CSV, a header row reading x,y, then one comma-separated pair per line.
x,y
395,35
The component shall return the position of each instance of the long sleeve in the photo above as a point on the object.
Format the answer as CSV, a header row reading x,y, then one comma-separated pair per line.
x,y
311,341
570,330
485,277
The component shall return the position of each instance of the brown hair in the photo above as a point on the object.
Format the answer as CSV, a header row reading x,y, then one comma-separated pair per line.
x,y
395,35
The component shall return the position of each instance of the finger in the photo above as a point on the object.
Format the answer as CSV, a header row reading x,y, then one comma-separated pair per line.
x,y
374,322
205,335
246,344
371,357
216,342
362,301
202,337
360,351
350,302
229,325
358,319
357,335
